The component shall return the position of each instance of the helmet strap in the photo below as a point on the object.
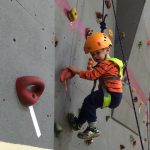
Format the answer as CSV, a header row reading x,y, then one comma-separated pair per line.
x,y
107,56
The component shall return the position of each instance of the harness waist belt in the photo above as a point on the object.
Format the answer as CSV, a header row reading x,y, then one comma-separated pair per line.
x,y
110,78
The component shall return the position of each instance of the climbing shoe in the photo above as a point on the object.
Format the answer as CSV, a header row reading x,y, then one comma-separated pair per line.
x,y
73,122
89,132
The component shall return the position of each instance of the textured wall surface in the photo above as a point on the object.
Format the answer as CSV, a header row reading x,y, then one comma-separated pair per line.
x,y
27,35
26,48
128,16
138,63
70,52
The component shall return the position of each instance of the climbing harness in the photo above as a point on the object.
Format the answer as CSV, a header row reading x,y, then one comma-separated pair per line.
x,y
120,65
107,98
107,95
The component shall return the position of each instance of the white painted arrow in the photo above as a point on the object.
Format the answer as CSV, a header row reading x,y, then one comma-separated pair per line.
x,y
35,123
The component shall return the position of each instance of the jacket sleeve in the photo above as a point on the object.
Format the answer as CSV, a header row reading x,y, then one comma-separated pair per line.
x,y
94,74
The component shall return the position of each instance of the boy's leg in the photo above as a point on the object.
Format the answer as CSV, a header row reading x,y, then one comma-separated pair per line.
x,y
88,113
115,99
89,106
88,110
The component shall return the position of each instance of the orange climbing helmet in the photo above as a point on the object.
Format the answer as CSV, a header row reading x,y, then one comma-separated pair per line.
x,y
96,41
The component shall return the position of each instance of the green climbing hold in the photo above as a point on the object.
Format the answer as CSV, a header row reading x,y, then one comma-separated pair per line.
x,y
140,44
57,129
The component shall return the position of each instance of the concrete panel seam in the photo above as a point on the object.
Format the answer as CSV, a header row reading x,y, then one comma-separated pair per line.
x,y
30,14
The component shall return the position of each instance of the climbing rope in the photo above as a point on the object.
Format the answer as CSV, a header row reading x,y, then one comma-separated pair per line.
x,y
124,60
102,23
102,27
103,9
148,123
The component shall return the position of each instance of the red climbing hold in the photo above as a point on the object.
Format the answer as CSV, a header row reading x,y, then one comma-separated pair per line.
x,y
65,75
29,89
135,99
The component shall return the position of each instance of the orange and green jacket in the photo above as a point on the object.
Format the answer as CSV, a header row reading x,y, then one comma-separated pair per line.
x,y
104,70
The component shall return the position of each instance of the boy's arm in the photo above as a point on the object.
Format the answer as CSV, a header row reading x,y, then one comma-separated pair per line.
x,y
89,75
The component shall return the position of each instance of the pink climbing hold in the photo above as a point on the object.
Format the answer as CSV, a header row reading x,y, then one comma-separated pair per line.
x,y
71,26
148,42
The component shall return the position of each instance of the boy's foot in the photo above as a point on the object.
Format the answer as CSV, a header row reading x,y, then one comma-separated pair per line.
x,y
73,122
89,132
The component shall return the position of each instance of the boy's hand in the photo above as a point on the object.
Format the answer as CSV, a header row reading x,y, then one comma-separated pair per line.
x,y
74,69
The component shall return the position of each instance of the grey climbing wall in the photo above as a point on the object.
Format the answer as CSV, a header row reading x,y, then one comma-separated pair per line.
x,y
128,16
26,48
138,63
69,51
28,30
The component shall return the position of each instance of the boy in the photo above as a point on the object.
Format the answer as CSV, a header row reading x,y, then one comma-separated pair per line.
x,y
109,72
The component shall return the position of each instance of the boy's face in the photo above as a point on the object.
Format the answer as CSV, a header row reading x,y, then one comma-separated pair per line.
x,y
99,55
